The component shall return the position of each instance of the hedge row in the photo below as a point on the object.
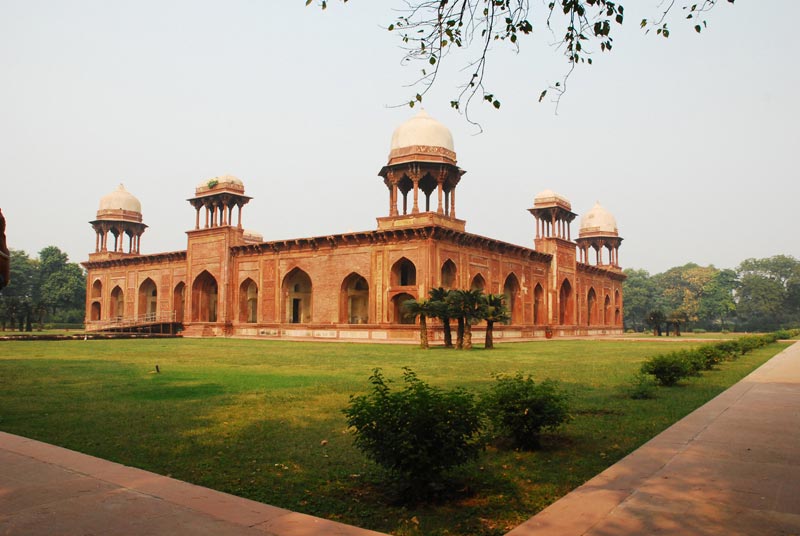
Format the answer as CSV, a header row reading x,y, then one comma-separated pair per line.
x,y
670,368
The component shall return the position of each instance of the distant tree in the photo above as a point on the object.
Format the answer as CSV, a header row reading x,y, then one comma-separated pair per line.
x,y
5,255
470,308
718,302
495,311
655,319
640,298
768,292
16,300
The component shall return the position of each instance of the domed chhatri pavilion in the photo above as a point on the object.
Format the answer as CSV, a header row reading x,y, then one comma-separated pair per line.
x,y
230,282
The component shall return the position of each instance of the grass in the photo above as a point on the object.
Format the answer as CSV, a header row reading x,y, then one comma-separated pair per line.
x,y
250,418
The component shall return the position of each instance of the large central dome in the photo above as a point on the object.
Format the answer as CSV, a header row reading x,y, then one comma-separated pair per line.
x,y
422,139
424,130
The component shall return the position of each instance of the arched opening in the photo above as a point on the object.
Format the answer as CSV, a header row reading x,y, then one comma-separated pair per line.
x,y
248,301
513,303
565,305
179,301
538,305
148,299
591,307
404,273
297,295
449,274
97,289
617,314
94,314
398,315
117,306
478,283
204,298
607,310
354,303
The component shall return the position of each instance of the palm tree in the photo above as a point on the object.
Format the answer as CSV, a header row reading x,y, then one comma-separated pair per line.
x,y
471,309
496,311
442,310
422,309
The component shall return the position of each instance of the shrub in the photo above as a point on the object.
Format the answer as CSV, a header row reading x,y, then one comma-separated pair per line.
x,y
694,360
730,349
668,369
640,387
417,433
519,409
712,355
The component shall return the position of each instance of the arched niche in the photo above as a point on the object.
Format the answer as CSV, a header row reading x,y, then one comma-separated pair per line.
x,y
297,292
97,289
591,307
95,312
354,302
179,301
404,273
205,297
248,301
398,315
539,310
148,299
478,283
566,303
449,273
513,302
116,309
607,310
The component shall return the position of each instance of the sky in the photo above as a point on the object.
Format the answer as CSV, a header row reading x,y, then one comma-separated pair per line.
x,y
691,141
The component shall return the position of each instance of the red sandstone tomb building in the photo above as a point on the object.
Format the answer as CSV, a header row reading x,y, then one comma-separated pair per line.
x,y
230,282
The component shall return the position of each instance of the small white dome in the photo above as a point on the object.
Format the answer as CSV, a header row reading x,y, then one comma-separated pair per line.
x,y
549,197
120,199
222,179
598,221
422,130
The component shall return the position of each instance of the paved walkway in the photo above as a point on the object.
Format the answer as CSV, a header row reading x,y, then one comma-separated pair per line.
x,y
732,467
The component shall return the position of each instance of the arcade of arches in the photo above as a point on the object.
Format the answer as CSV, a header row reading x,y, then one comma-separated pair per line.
x,y
229,281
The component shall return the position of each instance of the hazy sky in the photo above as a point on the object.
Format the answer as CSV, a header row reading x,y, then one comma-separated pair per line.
x,y
690,142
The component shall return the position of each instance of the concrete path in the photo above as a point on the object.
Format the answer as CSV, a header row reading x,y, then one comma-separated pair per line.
x,y
732,467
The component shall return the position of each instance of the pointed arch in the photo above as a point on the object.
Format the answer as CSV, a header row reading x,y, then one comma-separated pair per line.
x,y
449,274
95,312
204,298
179,301
478,283
354,300
538,305
297,292
148,299
566,305
97,289
591,307
398,317
404,273
117,304
617,314
513,302
248,301
607,310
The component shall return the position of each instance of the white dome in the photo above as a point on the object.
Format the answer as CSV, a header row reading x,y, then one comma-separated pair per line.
x,y
548,197
120,199
598,220
222,179
422,130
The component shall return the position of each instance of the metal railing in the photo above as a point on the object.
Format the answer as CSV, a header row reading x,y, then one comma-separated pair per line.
x,y
122,323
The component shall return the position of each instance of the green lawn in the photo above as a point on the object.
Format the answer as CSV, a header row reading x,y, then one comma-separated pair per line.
x,y
248,417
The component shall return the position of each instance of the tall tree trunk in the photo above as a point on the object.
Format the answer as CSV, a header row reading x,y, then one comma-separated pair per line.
x,y
467,336
489,335
448,336
460,334
423,332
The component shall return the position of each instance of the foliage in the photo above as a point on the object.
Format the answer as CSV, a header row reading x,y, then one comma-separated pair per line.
x,y
49,287
495,311
430,30
668,369
520,409
422,309
442,309
418,433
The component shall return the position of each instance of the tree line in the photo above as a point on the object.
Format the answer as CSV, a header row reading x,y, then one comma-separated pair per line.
x,y
758,295
47,289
